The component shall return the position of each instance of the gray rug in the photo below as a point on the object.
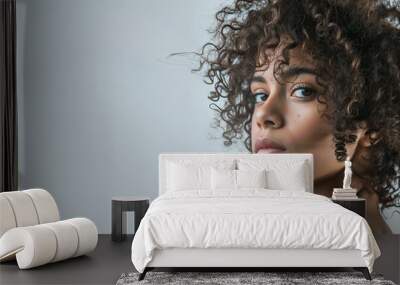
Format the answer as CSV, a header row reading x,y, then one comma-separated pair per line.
x,y
270,278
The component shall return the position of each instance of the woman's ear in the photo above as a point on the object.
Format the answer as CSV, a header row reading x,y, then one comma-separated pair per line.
x,y
368,138
365,136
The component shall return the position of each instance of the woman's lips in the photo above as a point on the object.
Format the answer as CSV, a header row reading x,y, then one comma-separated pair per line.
x,y
270,150
266,145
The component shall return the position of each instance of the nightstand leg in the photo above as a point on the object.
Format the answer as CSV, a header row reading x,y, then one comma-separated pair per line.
x,y
117,221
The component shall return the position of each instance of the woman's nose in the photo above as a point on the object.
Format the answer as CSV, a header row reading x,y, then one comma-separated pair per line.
x,y
269,113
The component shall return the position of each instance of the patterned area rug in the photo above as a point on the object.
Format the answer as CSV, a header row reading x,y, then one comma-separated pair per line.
x,y
273,278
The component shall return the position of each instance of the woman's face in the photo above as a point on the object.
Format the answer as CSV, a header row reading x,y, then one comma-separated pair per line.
x,y
287,114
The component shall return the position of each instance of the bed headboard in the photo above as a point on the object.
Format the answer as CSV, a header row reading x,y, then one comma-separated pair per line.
x,y
163,158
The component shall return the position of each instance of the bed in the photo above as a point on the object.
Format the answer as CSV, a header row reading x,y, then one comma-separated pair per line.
x,y
240,210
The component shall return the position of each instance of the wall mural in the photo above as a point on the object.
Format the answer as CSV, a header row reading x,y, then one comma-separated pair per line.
x,y
312,77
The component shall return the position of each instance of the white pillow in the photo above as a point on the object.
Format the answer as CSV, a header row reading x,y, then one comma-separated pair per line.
x,y
188,175
223,179
251,178
281,174
237,179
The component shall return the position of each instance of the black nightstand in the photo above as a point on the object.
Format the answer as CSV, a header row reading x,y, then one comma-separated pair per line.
x,y
356,205
121,205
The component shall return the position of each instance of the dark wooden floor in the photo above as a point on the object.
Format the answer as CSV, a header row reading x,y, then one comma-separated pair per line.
x,y
110,259
102,266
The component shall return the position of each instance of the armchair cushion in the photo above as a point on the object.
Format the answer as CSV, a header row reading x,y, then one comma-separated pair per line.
x,y
27,208
40,244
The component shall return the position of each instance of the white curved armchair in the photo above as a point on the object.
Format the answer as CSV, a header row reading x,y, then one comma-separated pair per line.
x,y
31,230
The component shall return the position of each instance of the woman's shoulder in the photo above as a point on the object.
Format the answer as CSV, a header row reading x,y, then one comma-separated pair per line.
x,y
373,212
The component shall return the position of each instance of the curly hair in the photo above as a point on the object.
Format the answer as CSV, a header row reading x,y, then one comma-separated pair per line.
x,y
356,47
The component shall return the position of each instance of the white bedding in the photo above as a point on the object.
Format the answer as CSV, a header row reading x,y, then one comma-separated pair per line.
x,y
250,218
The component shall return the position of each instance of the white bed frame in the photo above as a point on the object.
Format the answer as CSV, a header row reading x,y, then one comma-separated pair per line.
x,y
250,257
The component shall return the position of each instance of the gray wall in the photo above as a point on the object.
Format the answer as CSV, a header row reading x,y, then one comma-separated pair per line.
x,y
99,99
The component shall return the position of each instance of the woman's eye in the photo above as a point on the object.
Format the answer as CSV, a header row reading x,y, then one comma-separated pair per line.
x,y
303,92
260,97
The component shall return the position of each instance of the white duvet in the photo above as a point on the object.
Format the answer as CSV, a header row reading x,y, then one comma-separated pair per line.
x,y
250,218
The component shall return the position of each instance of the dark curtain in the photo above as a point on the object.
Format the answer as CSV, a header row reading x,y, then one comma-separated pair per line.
x,y
8,99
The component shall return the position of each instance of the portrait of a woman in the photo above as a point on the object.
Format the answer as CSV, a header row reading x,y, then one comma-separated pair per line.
x,y
314,76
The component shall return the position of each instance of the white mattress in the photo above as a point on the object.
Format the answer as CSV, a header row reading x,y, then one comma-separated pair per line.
x,y
251,218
